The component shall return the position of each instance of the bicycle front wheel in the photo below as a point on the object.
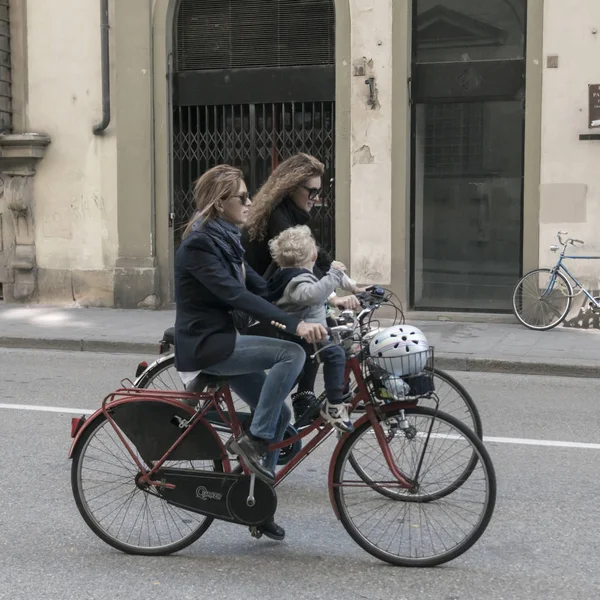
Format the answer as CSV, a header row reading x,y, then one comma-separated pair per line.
x,y
435,526
542,299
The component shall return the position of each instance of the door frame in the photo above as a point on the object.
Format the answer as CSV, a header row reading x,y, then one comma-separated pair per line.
x,y
403,191
163,21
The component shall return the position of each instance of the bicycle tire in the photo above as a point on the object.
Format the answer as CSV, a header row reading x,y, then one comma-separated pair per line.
x,y
517,299
473,421
83,503
477,429
343,508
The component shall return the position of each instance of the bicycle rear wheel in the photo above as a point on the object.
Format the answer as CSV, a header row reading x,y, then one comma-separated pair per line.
x,y
128,516
436,525
542,299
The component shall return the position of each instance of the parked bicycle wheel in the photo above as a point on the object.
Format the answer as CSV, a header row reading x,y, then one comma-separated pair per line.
x,y
130,517
435,527
542,299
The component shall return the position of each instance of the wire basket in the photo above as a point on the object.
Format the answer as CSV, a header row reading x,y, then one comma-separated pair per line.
x,y
399,378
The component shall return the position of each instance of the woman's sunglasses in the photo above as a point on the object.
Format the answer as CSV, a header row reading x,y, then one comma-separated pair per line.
x,y
313,192
243,198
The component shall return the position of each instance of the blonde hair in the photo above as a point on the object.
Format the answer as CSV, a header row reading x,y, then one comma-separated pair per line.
x,y
294,247
219,183
285,179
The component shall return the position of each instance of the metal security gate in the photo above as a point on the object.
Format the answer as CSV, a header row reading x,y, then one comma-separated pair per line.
x,y
254,84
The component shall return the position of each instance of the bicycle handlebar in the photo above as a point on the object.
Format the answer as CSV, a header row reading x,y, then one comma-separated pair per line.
x,y
568,240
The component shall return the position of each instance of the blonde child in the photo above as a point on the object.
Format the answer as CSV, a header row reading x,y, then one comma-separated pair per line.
x,y
295,289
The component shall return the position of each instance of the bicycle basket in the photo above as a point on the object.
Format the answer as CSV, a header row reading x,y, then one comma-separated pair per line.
x,y
409,376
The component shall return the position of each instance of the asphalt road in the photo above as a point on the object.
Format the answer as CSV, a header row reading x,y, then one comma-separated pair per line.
x,y
543,541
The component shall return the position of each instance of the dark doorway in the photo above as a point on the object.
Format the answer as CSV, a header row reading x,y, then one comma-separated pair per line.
x,y
468,94
253,83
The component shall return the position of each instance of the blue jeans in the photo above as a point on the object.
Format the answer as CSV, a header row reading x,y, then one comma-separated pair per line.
x,y
334,369
265,393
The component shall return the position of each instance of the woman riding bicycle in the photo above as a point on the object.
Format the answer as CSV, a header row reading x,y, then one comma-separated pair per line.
x,y
285,201
212,279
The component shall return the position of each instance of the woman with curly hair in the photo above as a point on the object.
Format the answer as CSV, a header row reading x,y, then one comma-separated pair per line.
x,y
285,201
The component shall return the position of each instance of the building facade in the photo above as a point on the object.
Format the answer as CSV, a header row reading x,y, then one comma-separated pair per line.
x,y
456,137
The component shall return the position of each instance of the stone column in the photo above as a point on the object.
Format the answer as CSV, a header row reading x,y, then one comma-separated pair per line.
x,y
19,155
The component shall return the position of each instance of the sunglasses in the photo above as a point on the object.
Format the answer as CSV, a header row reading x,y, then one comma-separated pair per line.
x,y
313,192
243,198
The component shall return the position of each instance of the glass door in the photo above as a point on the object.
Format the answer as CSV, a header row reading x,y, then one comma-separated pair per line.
x,y
467,169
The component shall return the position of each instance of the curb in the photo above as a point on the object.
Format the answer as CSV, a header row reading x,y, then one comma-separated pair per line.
x,y
79,345
490,365
445,362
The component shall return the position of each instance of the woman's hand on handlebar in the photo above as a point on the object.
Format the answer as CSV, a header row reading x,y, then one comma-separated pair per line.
x,y
311,332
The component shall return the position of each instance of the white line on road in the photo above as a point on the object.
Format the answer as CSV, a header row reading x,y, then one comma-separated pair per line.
x,y
55,409
527,442
492,440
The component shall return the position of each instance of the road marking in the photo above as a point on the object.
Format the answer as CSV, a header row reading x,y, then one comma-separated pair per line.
x,y
527,442
55,409
487,439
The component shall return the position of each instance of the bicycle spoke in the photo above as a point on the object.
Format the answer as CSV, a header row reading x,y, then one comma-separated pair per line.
x,y
436,519
132,516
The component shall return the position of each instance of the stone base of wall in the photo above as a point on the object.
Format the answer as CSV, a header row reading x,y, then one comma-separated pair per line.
x,y
63,286
122,287
136,284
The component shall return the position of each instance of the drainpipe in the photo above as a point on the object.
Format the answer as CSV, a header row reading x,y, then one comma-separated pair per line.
x,y
99,128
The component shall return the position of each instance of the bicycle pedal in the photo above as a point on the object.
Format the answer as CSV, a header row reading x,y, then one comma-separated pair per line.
x,y
255,533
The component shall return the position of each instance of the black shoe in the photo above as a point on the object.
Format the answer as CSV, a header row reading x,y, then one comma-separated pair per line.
x,y
301,403
272,530
252,451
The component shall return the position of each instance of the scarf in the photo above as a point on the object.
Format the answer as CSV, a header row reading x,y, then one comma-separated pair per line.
x,y
227,238
299,216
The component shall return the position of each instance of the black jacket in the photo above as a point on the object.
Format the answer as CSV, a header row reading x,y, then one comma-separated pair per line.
x,y
206,291
285,215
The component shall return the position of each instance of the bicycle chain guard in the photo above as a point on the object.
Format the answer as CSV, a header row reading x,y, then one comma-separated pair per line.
x,y
220,495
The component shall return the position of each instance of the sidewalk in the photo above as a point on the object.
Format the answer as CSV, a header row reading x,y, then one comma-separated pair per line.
x,y
459,345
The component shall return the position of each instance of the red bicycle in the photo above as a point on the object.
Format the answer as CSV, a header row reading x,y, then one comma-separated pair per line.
x,y
412,485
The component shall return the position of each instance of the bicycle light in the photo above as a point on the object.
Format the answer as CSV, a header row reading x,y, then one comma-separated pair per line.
x,y
76,425
554,248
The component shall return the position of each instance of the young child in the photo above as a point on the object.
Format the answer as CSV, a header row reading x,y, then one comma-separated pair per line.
x,y
295,289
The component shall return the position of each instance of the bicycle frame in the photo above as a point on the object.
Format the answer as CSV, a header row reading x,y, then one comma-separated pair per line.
x,y
215,400
561,267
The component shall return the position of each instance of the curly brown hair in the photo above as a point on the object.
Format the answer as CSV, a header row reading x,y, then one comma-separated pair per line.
x,y
283,180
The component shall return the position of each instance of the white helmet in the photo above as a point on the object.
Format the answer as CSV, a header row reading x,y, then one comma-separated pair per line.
x,y
400,350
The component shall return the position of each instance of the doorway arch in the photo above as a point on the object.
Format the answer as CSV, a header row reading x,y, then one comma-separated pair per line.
x,y
175,84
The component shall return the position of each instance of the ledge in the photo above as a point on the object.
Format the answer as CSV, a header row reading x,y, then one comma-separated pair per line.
x,y
20,152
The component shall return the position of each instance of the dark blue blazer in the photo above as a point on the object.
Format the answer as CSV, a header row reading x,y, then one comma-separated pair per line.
x,y
206,291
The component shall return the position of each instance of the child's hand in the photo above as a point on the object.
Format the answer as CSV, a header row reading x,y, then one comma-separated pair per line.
x,y
339,266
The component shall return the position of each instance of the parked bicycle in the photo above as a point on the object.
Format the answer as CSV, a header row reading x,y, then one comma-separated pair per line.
x,y
542,298
412,485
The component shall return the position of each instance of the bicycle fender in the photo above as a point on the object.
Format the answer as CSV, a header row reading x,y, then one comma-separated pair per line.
x,y
88,421
393,406
153,365
159,433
